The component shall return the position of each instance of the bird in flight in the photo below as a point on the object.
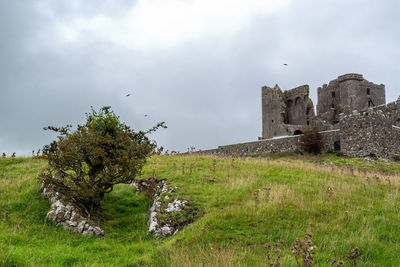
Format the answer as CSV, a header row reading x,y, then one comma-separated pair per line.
x,y
128,95
145,115
285,64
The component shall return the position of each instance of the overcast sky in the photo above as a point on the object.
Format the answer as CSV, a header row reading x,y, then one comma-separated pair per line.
x,y
198,65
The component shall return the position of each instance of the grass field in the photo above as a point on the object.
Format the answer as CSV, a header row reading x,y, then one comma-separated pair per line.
x,y
245,203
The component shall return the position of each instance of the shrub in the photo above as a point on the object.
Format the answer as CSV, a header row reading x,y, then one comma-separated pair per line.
x,y
85,164
311,140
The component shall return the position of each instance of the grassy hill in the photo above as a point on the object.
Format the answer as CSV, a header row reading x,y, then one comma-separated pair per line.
x,y
245,203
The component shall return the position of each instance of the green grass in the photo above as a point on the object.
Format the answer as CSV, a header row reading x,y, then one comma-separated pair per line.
x,y
364,212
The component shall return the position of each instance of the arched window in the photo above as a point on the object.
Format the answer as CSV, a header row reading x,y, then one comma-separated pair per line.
x,y
289,103
333,94
297,101
368,91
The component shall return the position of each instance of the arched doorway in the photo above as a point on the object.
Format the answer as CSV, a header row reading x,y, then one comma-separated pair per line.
x,y
297,132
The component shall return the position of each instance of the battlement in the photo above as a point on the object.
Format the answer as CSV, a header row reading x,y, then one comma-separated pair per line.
x,y
350,76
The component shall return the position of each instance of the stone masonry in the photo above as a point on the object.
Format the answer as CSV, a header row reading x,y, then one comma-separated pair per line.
x,y
351,114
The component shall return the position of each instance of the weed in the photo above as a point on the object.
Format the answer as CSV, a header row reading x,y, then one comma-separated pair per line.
x,y
353,256
303,251
256,195
191,168
268,248
214,165
330,193
268,190
336,263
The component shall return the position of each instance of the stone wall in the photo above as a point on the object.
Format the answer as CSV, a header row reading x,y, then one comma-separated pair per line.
x,y
373,132
274,145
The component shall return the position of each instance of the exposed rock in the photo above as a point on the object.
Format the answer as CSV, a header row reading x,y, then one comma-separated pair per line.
x,y
167,214
68,215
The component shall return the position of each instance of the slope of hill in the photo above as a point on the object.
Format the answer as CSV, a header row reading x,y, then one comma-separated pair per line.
x,y
245,203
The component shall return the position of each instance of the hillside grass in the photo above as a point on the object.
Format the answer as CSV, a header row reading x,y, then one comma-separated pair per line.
x,y
364,212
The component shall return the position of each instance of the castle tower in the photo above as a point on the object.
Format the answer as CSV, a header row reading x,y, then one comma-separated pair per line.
x,y
346,93
273,111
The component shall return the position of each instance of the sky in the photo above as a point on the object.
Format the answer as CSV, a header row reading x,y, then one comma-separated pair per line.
x,y
197,65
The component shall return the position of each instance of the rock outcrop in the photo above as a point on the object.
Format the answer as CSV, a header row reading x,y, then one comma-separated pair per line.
x,y
167,214
68,215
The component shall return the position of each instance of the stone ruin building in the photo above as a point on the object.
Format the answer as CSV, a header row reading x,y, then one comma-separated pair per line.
x,y
290,112
351,114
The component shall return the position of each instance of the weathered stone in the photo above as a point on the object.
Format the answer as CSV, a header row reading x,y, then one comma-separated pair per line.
x,y
290,112
163,204
67,215
352,115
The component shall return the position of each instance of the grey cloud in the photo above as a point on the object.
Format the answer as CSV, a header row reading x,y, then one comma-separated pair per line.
x,y
207,91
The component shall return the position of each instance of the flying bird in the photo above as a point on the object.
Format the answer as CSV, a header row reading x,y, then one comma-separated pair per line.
x,y
128,95
285,64
145,115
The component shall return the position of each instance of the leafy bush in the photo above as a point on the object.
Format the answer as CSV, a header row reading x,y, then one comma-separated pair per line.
x,y
311,140
85,164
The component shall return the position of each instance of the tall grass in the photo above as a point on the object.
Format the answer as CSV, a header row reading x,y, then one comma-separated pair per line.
x,y
345,203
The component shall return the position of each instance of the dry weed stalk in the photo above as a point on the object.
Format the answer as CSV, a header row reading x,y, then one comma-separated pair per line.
x,y
352,256
183,168
330,192
154,173
268,248
268,190
214,166
256,195
6,215
336,263
191,167
302,251
174,167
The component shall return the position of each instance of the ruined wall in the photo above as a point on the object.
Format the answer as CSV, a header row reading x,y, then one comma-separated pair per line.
x,y
346,93
273,111
375,131
267,146
287,112
328,106
299,107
